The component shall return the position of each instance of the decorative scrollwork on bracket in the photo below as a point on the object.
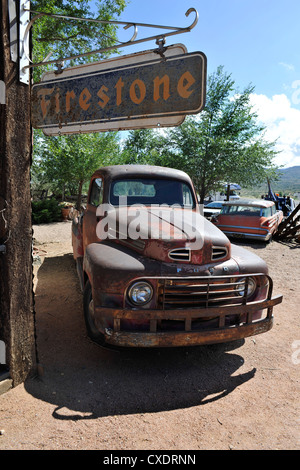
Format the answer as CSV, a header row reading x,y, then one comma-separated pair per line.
x,y
133,40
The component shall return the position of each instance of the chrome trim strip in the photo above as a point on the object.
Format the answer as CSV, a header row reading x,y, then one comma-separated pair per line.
x,y
243,227
249,235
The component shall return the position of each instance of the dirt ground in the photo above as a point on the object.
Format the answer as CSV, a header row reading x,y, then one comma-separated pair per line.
x,y
241,395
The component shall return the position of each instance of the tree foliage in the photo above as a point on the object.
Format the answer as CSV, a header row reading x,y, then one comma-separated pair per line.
x,y
225,143
69,161
144,147
65,37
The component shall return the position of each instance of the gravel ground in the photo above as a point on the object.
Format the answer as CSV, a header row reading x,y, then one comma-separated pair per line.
x,y
241,395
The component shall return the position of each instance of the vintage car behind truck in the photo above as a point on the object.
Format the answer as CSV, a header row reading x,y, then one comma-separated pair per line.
x,y
155,273
255,219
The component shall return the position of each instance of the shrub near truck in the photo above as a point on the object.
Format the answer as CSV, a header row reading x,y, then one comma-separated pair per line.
x,y
155,273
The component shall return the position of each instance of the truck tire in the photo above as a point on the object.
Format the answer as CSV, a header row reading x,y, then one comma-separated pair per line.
x,y
92,330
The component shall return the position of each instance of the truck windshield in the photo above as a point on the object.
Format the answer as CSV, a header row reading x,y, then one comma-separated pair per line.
x,y
151,191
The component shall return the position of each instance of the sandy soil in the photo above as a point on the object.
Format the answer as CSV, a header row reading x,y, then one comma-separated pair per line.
x,y
242,395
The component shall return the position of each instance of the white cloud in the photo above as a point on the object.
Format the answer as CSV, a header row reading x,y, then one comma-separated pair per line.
x,y
282,122
289,67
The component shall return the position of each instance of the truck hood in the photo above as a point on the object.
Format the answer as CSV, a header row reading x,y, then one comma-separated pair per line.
x,y
167,234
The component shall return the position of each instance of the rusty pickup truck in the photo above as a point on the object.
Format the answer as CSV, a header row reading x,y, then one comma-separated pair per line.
x,y
155,273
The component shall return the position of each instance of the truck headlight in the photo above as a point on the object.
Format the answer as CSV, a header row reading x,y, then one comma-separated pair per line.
x,y
140,293
241,286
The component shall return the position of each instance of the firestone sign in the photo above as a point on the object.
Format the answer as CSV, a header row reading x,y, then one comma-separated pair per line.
x,y
121,95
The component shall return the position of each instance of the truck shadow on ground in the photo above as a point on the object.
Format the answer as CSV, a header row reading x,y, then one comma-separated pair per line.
x,y
84,381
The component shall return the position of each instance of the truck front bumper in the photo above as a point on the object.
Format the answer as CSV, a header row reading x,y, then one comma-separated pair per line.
x,y
189,335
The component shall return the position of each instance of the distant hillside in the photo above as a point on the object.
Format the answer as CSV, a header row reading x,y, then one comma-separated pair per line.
x,y
288,184
289,180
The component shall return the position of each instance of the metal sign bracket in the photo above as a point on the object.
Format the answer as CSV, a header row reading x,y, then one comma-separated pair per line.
x,y
161,48
13,30
24,60
25,24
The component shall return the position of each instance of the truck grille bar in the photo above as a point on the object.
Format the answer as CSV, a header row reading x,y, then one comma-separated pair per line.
x,y
202,292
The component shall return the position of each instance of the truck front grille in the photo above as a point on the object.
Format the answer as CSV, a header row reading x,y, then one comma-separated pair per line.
x,y
201,303
202,292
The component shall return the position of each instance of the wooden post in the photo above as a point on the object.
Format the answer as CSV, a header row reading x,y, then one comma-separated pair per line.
x,y
228,192
16,284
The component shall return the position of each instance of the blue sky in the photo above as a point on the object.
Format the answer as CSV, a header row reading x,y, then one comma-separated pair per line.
x,y
257,41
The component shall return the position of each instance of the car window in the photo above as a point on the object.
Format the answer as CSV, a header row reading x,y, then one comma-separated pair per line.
x,y
187,196
241,210
151,191
96,192
266,212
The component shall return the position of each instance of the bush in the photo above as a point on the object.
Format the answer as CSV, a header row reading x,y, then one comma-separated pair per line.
x,y
46,211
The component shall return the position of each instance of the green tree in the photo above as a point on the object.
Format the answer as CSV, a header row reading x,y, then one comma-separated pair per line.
x,y
225,142
145,147
64,37
69,161
66,161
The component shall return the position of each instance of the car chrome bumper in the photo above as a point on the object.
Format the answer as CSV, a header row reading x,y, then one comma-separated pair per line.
x,y
242,232
187,337
248,235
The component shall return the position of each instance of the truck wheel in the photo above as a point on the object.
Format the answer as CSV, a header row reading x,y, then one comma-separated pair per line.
x,y
88,308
